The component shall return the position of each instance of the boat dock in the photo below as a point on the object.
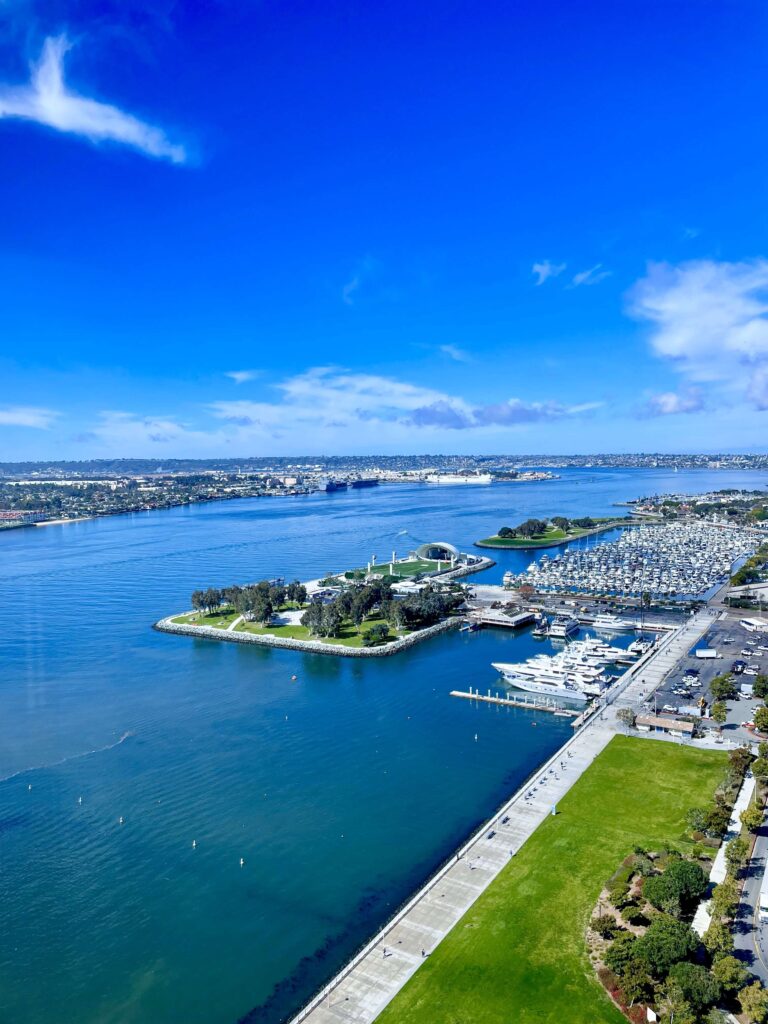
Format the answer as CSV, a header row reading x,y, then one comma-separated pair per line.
x,y
523,701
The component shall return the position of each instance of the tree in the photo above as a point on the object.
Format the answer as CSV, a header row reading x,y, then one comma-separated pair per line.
x,y
262,607
736,853
696,819
740,759
506,532
376,634
331,620
621,952
722,688
725,898
760,686
198,600
760,767
695,984
560,523
719,712
761,719
681,885
645,599
754,1002
717,819
752,818
626,716
313,619
636,985
717,938
729,973
665,943
605,925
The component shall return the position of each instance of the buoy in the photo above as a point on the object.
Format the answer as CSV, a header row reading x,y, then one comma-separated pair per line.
x,y
29,786
475,737
242,862
79,799
194,843
121,819
294,678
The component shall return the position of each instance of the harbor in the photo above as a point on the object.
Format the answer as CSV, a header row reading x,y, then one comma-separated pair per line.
x,y
678,560
529,703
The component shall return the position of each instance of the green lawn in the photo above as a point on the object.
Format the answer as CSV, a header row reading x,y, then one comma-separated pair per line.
x,y
408,568
519,955
219,620
348,637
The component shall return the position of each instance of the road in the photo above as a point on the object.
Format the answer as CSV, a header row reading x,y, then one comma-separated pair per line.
x,y
750,936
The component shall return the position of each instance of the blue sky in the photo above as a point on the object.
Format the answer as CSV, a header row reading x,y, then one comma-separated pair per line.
x,y
254,228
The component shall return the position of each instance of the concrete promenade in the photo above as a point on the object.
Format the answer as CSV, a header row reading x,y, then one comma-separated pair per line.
x,y
376,974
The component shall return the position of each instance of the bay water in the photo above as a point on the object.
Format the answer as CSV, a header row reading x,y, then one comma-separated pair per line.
x,y
341,790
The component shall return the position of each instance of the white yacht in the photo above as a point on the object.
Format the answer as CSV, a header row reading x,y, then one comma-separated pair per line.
x,y
548,684
606,622
563,627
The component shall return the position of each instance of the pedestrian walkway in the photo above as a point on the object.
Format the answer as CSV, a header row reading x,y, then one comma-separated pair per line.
x,y
376,974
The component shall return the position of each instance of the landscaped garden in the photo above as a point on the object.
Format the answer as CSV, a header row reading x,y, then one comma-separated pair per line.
x,y
353,614
519,953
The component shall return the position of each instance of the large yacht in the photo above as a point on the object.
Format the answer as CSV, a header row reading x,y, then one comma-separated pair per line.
x,y
563,627
609,623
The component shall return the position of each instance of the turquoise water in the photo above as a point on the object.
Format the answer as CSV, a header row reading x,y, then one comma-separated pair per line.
x,y
341,791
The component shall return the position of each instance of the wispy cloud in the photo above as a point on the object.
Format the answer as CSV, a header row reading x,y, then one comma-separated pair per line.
x,y
363,272
672,403
46,100
242,376
27,416
592,276
457,354
710,320
546,269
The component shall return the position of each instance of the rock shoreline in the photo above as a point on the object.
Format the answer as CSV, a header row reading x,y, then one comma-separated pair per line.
x,y
307,646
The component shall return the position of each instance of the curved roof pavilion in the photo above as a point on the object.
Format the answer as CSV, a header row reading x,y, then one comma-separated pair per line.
x,y
438,551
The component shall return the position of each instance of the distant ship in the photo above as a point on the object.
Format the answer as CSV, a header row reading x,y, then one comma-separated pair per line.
x,y
329,484
608,623
368,481
459,478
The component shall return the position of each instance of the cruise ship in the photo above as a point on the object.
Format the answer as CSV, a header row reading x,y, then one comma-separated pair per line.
x,y
459,478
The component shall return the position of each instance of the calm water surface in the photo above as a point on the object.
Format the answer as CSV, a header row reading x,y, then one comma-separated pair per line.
x,y
341,791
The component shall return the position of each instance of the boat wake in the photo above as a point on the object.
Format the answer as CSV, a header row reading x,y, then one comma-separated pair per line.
x,y
70,757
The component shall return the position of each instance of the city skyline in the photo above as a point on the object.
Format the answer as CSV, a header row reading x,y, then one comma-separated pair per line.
x,y
253,231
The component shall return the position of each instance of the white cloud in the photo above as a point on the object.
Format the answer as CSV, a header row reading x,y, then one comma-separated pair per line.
x,y
27,416
457,354
546,269
329,399
672,403
242,376
710,320
47,101
365,270
592,276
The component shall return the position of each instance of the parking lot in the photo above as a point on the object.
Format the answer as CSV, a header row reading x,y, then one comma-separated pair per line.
x,y
680,690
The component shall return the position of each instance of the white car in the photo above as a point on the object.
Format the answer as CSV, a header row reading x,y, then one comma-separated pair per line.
x,y
668,707
750,672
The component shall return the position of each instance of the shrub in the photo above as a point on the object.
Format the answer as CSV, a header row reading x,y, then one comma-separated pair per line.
x,y
666,942
605,925
620,953
695,984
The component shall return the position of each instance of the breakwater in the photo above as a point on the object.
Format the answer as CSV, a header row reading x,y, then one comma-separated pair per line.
x,y
308,646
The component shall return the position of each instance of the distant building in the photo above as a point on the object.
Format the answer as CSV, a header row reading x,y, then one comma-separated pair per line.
x,y
657,723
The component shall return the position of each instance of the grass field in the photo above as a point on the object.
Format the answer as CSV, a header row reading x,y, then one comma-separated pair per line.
x,y
519,954
348,637
407,568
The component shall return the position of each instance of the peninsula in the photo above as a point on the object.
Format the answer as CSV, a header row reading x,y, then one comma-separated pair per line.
x,y
551,533
369,612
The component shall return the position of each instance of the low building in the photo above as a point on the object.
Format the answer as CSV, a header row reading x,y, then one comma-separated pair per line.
x,y
658,723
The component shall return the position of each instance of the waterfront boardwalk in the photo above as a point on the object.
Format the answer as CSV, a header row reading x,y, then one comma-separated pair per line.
x,y
376,974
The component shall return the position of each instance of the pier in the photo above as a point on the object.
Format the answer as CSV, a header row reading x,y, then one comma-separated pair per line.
x,y
523,701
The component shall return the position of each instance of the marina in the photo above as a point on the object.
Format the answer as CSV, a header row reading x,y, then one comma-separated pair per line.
x,y
678,560
528,703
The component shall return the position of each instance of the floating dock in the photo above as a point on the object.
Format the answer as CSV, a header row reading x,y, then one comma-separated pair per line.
x,y
531,703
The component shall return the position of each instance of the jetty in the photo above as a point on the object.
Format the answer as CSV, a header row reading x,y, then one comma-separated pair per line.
x,y
527,701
